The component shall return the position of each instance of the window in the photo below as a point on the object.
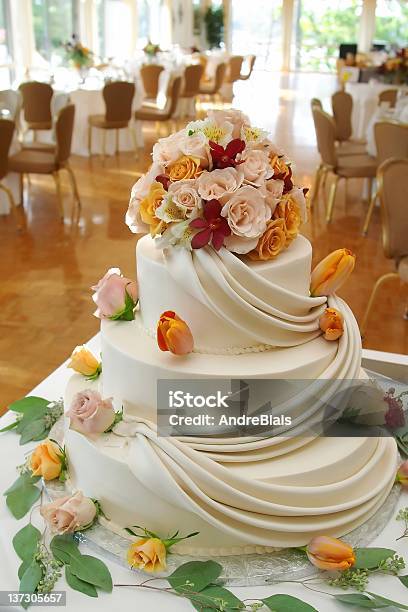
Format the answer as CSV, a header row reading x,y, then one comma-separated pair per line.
x,y
320,27
5,46
391,23
258,31
54,23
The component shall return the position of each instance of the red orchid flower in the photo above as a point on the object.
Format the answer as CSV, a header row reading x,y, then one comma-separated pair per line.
x,y
164,180
214,228
225,158
287,182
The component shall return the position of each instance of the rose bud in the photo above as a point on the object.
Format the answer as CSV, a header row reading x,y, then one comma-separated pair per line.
x,y
84,362
89,413
69,514
173,334
147,554
332,272
46,460
115,296
331,554
402,474
331,323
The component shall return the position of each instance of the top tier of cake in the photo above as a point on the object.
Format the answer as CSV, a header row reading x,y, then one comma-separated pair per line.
x,y
230,305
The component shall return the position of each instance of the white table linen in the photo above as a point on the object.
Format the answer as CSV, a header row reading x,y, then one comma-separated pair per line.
x,y
385,113
139,599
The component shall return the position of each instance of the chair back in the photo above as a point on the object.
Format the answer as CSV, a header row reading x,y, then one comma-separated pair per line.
x,y
316,102
234,68
6,137
342,105
64,127
220,73
192,77
174,91
118,97
150,74
392,177
36,101
391,139
325,136
250,62
388,95
11,101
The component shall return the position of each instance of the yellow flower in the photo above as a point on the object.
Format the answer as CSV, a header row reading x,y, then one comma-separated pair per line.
x,y
288,210
331,323
84,362
148,554
328,553
271,243
332,272
46,460
149,205
186,167
280,167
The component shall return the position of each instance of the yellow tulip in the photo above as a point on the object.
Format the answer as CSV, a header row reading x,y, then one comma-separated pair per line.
x,y
330,554
332,272
331,323
84,362
402,474
148,554
173,334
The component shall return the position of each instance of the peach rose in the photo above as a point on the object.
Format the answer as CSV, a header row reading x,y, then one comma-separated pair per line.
x,y
196,146
299,197
288,210
46,460
271,243
256,166
332,272
148,207
272,190
112,294
148,554
84,362
330,554
168,150
69,514
139,191
173,334
247,214
185,194
331,323
185,167
89,413
218,184
402,474
279,165
234,117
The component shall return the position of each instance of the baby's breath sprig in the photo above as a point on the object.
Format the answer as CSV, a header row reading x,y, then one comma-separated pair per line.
x,y
350,579
403,516
54,411
51,569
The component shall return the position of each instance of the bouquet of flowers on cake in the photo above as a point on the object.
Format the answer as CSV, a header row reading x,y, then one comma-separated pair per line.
x,y
219,182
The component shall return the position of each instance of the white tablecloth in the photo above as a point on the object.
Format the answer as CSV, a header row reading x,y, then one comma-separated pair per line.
x,y
137,599
384,113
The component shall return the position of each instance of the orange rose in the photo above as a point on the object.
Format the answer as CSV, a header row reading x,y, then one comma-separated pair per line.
x,y
288,210
46,460
148,554
148,207
186,167
173,334
331,323
402,474
332,272
280,167
271,243
330,554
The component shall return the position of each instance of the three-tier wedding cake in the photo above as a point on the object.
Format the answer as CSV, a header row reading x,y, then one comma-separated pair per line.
x,y
225,291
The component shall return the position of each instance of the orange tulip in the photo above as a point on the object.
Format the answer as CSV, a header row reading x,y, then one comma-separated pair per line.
x,y
331,323
332,272
331,554
402,474
173,334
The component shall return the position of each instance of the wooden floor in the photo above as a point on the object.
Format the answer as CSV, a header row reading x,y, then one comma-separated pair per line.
x,y
46,270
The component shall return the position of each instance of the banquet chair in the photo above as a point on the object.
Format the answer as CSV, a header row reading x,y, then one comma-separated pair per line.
x,y
36,103
388,95
6,137
342,105
11,101
340,166
29,161
191,84
316,102
212,88
149,113
250,60
118,97
150,74
234,68
392,177
391,139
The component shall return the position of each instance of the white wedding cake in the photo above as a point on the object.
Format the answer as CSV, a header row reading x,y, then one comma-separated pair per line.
x,y
224,292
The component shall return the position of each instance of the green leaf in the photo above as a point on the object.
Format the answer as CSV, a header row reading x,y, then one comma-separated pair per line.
x,y
22,481
9,427
23,568
25,542
92,570
387,602
287,603
194,575
33,431
215,597
30,403
404,580
370,558
79,585
64,548
368,600
30,580
20,501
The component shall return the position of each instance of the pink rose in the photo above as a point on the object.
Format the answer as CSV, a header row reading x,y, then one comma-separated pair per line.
x,y
139,191
218,184
168,150
196,145
184,193
247,214
234,117
69,514
256,166
112,295
89,413
272,190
